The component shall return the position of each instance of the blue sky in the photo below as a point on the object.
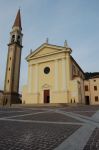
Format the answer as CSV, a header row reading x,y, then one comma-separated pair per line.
x,y
76,21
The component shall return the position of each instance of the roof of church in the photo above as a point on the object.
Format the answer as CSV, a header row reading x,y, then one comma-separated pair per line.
x,y
43,45
77,64
17,22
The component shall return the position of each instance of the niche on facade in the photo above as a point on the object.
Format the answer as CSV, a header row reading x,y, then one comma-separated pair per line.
x,y
46,86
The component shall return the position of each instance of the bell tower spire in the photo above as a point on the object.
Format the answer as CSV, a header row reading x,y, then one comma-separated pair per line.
x,y
17,22
11,86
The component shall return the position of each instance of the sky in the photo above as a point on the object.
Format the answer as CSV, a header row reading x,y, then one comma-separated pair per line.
x,y
76,21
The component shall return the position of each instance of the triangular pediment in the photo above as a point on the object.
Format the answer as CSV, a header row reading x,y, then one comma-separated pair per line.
x,y
43,50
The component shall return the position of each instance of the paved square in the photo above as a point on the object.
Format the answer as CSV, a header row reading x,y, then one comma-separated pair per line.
x,y
32,136
48,128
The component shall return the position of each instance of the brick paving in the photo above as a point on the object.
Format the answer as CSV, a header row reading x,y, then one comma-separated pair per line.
x,y
49,116
93,142
85,113
11,114
81,108
32,136
17,133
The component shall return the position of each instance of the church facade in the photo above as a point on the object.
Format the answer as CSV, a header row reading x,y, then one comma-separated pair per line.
x,y
53,76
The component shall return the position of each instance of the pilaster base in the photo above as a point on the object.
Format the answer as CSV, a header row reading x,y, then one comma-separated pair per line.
x,y
11,98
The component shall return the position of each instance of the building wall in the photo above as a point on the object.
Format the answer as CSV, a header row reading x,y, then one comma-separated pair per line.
x,y
1,96
13,68
55,81
77,84
8,69
91,92
17,69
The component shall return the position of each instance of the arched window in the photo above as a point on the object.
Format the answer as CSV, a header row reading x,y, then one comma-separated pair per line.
x,y
13,38
18,39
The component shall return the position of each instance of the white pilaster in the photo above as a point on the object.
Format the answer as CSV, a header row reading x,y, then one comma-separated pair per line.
x,y
30,79
64,74
36,78
56,75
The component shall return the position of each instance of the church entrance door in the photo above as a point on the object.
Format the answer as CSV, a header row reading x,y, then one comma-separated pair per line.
x,y
46,96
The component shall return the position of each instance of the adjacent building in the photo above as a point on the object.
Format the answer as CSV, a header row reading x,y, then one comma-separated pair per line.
x,y
91,85
53,76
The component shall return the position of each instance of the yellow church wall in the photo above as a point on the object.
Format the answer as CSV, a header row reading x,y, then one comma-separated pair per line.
x,y
82,92
77,83
68,71
46,81
46,78
59,97
31,78
29,98
76,91
59,75
63,87
49,80
73,96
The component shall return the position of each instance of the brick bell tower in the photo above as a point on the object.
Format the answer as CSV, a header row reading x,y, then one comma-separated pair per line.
x,y
11,86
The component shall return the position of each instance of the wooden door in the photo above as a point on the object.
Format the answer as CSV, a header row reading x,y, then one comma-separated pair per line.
x,y
46,96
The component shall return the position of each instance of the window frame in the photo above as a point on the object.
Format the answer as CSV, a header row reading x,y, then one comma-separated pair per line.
x,y
86,88
96,99
95,88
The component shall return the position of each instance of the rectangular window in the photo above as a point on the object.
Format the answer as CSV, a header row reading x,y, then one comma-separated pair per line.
x,y
95,88
86,87
96,98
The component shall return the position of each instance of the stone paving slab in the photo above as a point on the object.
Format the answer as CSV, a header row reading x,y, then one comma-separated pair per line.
x,y
32,136
48,116
81,108
11,114
10,109
78,139
85,113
